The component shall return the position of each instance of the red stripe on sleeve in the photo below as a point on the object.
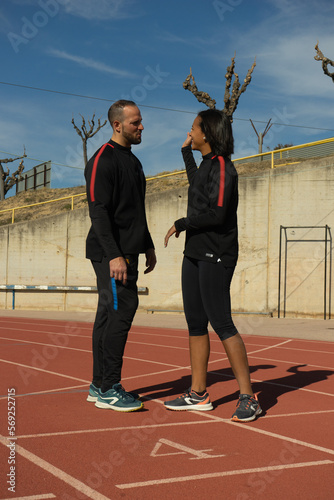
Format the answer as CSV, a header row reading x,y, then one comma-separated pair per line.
x,y
222,181
92,180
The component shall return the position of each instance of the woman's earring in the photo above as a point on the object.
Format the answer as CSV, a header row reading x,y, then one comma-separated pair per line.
x,y
204,138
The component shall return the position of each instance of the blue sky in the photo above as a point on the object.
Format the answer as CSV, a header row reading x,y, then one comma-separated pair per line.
x,y
142,50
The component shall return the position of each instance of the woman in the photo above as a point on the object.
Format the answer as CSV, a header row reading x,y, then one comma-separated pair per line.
x,y
210,256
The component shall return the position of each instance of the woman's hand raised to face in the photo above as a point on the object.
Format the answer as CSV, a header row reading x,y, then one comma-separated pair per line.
x,y
188,140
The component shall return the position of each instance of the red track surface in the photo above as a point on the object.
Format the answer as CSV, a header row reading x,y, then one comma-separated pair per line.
x,y
67,448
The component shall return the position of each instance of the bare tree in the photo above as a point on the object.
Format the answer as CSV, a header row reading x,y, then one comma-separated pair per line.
x,y
86,134
7,180
231,96
325,62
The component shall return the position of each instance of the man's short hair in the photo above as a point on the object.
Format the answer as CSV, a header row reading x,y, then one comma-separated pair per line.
x,y
116,110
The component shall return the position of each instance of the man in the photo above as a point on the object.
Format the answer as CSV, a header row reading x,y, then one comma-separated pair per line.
x,y
116,198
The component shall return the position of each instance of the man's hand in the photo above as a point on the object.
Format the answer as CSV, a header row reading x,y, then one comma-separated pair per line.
x,y
170,233
118,269
151,260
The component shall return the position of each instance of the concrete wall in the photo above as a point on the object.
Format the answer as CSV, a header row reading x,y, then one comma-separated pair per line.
x,y
52,250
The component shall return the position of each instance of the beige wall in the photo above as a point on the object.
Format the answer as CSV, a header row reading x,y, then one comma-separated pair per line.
x,y
52,250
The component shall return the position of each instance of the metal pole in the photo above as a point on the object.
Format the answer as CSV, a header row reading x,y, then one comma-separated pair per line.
x,y
279,273
260,141
285,270
325,280
330,275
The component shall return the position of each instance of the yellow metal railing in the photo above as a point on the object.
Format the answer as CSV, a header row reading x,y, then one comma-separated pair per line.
x,y
170,174
42,203
279,152
270,154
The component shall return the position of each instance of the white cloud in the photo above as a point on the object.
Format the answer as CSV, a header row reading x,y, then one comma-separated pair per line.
x,y
291,67
90,63
100,9
194,41
283,44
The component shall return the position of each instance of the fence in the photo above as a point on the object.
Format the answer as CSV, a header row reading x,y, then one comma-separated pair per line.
x,y
309,150
36,178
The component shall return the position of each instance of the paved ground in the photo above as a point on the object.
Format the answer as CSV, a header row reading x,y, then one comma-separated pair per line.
x,y
311,329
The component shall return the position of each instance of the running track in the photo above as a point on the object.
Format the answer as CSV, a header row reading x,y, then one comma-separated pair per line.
x,y
67,448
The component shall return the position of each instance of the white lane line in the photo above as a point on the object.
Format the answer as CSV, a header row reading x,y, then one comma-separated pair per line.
x,y
295,388
267,433
25,330
44,371
83,326
57,346
58,473
171,370
48,391
305,351
269,382
294,363
323,412
163,425
159,345
151,362
249,353
118,429
222,474
177,368
43,322
166,364
33,497
129,342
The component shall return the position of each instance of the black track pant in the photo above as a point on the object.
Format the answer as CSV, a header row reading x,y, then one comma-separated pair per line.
x,y
117,305
206,297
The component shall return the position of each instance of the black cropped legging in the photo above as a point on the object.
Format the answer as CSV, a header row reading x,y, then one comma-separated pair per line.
x,y
206,297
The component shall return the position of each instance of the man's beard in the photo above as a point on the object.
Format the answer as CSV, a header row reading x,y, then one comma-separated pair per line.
x,y
132,138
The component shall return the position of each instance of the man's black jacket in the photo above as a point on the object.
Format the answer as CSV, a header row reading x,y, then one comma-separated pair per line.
x,y
116,186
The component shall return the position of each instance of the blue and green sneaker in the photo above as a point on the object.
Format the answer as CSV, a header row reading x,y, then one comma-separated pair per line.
x,y
118,399
93,393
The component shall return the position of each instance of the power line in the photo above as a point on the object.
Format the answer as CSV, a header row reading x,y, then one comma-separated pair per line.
x,y
90,97
44,161
152,107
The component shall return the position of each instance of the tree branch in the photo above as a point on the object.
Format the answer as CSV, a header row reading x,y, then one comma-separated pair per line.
x,y
325,61
231,103
189,84
14,178
8,181
85,133
77,129
231,97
